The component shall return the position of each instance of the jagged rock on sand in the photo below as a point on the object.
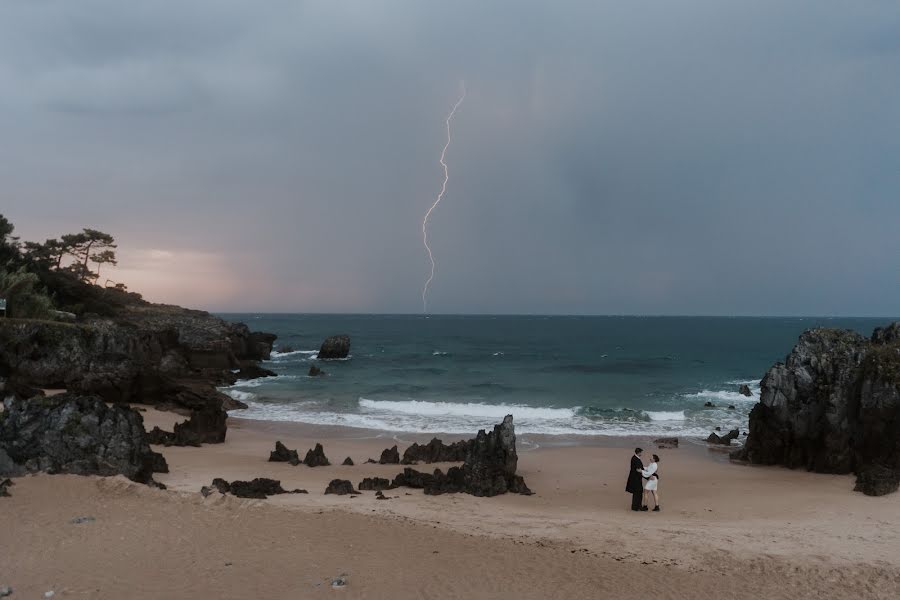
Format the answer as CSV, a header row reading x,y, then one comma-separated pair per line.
x,y
724,440
374,483
68,433
436,451
334,347
341,487
489,468
4,487
348,462
316,457
833,406
390,456
877,480
206,425
666,443
261,488
282,454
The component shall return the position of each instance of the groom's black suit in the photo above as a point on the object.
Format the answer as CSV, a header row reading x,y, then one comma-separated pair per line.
x,y
635,485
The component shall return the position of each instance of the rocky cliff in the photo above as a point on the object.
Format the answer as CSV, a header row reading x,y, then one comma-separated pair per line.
x,y
833,406
75,434
147,353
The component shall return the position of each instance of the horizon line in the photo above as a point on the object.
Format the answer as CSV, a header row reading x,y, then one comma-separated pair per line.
x,y
607,315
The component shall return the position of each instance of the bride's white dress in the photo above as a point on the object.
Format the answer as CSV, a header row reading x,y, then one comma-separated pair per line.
x,y
650,484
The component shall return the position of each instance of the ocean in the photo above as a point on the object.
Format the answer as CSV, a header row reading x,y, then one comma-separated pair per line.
x,y
556,375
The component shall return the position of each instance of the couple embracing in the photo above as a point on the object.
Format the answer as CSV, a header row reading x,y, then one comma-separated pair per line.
x,y
643,482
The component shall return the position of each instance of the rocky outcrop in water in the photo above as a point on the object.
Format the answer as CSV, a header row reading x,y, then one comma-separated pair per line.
x,y
314,371
489,468
390,456
261,488
75,434
282,454
833,406
335,347
316,457
744,390
341,487
436,451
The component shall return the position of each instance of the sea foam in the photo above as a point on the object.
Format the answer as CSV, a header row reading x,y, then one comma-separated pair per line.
x,y
470,410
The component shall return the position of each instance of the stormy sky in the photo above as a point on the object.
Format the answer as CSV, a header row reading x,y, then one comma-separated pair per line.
x,y
692,157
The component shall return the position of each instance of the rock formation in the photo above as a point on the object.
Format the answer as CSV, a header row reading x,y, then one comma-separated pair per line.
x,y
336,346
260,487
744,390
390,456
4,487
282,454
138,352
374,483
725,440
833,406
76,434
489,468
348,462
316,457
314,371
206,425
340,487
436,451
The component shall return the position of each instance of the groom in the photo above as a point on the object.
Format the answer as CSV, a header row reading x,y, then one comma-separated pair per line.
x,y
635,485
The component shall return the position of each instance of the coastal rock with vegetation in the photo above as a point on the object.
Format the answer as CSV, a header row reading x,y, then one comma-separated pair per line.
x,y
63,330
68,433
833,406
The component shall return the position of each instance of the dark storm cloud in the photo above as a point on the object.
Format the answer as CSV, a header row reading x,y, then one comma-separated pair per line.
x,y
697,157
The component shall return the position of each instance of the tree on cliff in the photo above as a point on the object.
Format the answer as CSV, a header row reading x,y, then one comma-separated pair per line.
x,y
90,245
103,258
9,244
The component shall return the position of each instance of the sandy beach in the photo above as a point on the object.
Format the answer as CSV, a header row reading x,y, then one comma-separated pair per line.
x,y
725,528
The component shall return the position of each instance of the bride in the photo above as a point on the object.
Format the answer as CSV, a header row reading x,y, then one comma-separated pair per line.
x,y
651,483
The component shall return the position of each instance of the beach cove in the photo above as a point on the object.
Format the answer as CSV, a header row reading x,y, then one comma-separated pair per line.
x,y
751,530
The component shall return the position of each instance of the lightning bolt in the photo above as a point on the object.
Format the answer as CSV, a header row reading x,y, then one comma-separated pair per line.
x,y
437,201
